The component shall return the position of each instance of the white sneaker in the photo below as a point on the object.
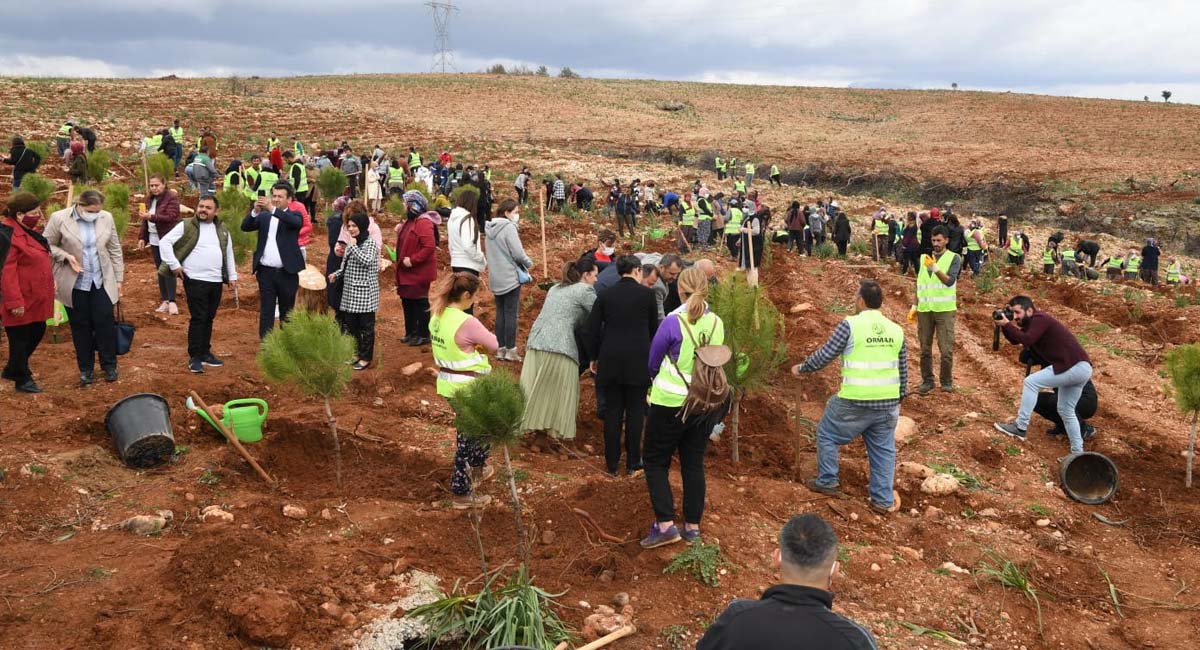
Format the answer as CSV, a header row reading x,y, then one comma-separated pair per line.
x,y
513,356
502,354
162,309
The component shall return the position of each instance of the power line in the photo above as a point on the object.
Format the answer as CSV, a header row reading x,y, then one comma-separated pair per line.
x,y
443,56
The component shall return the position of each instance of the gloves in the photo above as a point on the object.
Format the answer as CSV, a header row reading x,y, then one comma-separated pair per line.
x,y
928,261
912,314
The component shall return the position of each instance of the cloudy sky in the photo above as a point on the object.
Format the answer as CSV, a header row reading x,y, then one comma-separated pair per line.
x,y
1094,48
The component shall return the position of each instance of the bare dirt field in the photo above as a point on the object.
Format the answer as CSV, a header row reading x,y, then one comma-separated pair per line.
x,y
70,579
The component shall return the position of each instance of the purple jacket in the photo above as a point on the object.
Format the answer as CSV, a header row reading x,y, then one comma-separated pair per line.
x,y
667,340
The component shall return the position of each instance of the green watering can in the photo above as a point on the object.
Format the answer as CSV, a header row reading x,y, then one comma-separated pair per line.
x,y
243,417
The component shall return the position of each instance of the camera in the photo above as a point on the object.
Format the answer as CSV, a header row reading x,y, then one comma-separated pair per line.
x,y
1003,314
997,316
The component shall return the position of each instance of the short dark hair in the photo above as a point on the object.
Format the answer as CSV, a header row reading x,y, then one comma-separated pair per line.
x,y
939,230
808,543
1025,302
289,154
671,259
871,293
649,269
626,264
284,185
210,197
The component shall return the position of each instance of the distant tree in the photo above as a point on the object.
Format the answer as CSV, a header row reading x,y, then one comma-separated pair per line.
x,y
1166,95
542,71
567,73
954,85
1145,98
497,69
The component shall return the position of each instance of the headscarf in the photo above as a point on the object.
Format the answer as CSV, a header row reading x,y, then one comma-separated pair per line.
x,y
340,203
703,192
413,197
363,222
234,165
77,147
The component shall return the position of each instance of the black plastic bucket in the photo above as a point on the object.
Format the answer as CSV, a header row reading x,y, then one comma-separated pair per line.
x,y
140,426
1089,478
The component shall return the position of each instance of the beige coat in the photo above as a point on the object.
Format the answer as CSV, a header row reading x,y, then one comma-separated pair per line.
x,y
63,234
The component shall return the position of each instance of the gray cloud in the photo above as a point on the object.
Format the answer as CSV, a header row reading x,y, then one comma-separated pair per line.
x,y
1078,47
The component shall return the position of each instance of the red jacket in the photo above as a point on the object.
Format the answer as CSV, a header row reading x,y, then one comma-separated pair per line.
x,y
306,228
415,240
166,215
276,158
27,280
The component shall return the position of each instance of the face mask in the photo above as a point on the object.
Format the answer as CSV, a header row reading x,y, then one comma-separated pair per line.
x,y
608,250
30,221
515,218
89,217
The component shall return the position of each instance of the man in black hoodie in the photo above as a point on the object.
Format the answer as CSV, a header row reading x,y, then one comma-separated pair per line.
x,y
796,614
23,160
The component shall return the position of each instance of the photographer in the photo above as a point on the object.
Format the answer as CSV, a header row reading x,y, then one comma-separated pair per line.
x,y
1070,368
1047,403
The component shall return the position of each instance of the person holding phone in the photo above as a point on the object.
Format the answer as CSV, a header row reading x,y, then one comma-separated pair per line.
x,y
277,257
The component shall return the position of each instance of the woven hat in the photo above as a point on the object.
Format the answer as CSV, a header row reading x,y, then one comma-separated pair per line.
x,y
312,279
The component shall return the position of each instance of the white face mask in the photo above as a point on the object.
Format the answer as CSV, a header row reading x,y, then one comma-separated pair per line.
x,y
515,218
89,217
608,250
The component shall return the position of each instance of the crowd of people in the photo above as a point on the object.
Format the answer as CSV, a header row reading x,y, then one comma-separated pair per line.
x,y
638,323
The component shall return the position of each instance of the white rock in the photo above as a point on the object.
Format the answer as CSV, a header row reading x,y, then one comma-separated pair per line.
x,y
876,567
217,514
143,524
1042,523
953,568
906,428
294,512
940,485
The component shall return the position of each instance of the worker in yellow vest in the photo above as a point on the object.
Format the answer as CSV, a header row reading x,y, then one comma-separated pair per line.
x,y
152,144
687,222
733,228
976,245
739,187
874,382
1113,266
63,140
937,308
414,159
775,176
460,345
1050,257
251,174
1016,248
749,174
880,232
720,169
297,175
1133,265
1174,271
272,143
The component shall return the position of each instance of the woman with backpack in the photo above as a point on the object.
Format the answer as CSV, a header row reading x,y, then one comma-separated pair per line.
x,y
416,265
675,425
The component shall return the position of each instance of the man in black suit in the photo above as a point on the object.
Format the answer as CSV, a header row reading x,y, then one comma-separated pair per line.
x,y
277,257
622,324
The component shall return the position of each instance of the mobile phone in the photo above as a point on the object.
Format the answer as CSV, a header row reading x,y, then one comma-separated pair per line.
x,y
262,194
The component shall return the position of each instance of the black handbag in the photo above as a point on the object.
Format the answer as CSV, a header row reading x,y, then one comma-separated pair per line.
x,y
125,332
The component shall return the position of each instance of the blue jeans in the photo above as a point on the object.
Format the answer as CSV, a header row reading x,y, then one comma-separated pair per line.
x,y
1070,387
975,261
749,180
844,421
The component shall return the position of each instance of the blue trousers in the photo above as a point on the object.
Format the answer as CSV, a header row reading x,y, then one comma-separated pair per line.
x,y
842,422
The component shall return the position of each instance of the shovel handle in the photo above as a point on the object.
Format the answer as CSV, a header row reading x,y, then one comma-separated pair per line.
x,y
237,444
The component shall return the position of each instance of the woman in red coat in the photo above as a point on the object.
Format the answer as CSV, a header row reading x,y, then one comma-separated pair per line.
x,y
416,265
26,291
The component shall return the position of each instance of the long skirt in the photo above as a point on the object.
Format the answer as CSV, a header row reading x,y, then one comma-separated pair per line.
x,y
551,384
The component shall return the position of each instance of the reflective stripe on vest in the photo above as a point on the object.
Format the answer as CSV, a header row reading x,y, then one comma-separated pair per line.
x,y
871,371
972,245
1114,263
1016,246
1173,273
734,223
177,134
1134,264
251,176
932,295
451,361
670,386
303,187
395,176
720,164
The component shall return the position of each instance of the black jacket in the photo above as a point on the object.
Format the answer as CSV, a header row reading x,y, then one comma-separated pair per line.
x,y
621,326
841,228
788,617
23,159
927,227
287,237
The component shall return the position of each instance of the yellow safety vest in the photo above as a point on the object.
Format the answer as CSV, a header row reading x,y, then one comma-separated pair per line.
x,y
734,223
229,180
395,176
272,143
774,170
1114,262
689,213
153,144
266,180
973,245
881,227
1174,272
703,210
1048,256
720,164
671,384
177,134
455,367
749,168
1134,264
1067,255
251,175
414,160
932,295
303,186
871,370
298,148
1016,247
739,186
64,131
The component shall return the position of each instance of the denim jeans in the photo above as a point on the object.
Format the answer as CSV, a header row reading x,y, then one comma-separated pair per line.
x,y
1070,386
842,422
975,261
507,309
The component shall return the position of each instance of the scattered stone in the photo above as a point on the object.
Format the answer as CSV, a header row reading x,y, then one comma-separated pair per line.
x,y
876,567
906,428
621,599
28,471
326,514
217,514
385,389
332,610
854,516
1042,523
911,553
940,485
294,512
953,568
909,468
606,576
144,524
378,401
411,369
583,604
348,620
801,307
189,497
548,537
267,617
934,512
989,513
385,570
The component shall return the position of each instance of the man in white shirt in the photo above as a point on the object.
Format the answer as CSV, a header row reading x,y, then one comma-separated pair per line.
x,y
277,256
200,251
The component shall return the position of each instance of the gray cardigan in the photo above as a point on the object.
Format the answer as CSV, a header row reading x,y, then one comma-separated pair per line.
x,y
504,248
565,309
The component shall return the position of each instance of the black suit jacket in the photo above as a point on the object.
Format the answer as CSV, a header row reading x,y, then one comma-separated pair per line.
x,y
621,326
287,237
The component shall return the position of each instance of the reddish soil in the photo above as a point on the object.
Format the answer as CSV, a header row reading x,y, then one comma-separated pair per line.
x,y
68,580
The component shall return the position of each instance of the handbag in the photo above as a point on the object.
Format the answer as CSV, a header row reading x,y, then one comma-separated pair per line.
x,y
125,332
523,276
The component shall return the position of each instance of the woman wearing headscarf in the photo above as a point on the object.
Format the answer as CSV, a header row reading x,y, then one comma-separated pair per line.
x,y
1150,253
88,271
416,265
234,180
26,290
550,376
359,277
506,261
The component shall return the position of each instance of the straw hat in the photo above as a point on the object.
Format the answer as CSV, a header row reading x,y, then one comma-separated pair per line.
x,y
312,279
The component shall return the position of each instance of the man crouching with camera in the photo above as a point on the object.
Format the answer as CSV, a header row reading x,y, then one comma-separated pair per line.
x,y
1069,369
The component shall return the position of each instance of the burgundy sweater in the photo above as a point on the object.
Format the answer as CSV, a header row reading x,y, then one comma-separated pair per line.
x,y
1050,339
